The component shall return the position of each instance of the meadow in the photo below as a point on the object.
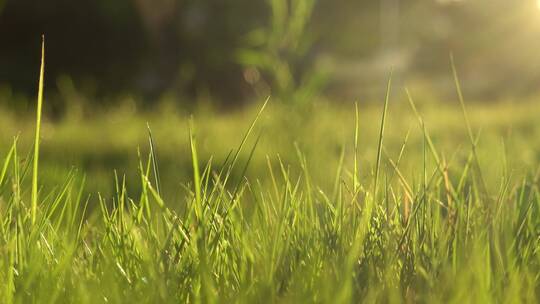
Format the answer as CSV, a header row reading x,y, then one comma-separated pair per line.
x,y
402,199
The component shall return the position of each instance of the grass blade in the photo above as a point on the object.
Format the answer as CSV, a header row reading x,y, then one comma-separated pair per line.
x,y
381,134
38,127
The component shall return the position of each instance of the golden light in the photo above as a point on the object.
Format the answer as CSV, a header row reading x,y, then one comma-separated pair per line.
x,y
538,4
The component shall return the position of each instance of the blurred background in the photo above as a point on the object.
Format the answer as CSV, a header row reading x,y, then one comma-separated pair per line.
x,y
112,66
231,51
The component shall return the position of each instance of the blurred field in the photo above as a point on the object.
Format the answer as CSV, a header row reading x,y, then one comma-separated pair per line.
x,y
108,141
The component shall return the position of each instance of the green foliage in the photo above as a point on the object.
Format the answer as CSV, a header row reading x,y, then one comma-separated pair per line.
x,y
384,236
279,50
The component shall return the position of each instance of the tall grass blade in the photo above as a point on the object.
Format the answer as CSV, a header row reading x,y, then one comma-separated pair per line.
x,y
468,124
154,159
381,134
196,171
38,127
356,130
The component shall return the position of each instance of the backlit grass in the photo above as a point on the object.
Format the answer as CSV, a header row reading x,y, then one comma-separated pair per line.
x,y
389,204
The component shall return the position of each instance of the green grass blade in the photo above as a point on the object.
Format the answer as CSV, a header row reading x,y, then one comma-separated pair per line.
x,y
7,161
381,134
38,126
196,171
356,130
154,159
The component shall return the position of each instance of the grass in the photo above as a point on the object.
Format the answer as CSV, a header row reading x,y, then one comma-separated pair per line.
x,y
414,218
38,126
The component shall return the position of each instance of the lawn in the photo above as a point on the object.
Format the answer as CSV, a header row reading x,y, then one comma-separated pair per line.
x,y
427,201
